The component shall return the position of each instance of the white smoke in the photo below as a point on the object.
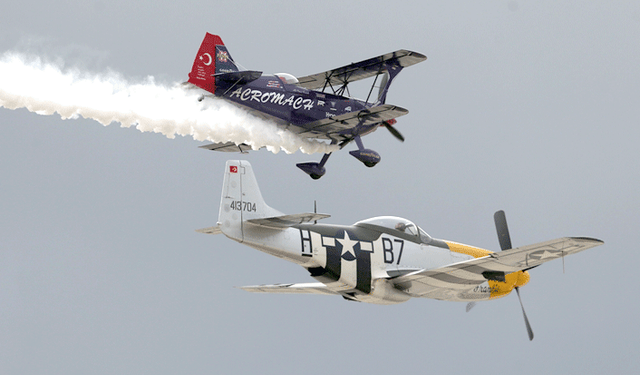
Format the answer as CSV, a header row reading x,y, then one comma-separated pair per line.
x,y
44,88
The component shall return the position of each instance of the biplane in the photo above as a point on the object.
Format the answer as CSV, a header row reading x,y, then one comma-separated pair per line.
x,y
382,260
313,107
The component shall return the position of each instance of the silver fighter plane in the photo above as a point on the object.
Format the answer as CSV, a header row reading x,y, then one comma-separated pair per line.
x,y
382,260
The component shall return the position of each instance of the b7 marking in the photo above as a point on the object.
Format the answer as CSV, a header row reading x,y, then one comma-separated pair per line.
x,y
388,248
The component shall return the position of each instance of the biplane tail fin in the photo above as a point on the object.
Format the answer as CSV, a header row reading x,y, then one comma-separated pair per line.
x,y
212,58
241,200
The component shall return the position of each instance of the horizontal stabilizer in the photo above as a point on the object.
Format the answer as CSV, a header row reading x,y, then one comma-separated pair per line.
x,y
303,288
228,147
285,221
210,230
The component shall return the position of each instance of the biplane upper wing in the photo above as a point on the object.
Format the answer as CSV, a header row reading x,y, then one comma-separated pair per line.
x,y
360,70
326,127
467,274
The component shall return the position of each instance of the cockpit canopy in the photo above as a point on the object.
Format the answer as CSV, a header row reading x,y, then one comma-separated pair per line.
x,y
287,78
398,224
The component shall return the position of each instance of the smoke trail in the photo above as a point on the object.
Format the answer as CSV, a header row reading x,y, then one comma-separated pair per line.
x,y
46,89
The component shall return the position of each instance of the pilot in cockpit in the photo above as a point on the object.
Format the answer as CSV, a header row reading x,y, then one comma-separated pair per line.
x,y
401,226
406,227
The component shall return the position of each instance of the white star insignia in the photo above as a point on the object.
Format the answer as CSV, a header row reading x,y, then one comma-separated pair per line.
x,y
547,254
347,246
544,254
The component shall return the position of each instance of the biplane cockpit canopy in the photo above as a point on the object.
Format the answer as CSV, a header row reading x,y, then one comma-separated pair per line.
x,y
287,78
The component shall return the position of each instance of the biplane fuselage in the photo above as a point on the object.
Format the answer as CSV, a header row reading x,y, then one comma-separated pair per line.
x,y
293,106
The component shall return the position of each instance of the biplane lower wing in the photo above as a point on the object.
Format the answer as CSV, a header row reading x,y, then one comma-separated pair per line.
x,y
332,127
328,128
302,288
467,274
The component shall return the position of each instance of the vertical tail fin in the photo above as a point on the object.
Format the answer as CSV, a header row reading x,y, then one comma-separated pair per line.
x,y
212,58
241,199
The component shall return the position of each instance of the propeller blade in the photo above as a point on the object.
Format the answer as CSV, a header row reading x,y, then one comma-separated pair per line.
x,y
502,229
526,321
393,131
470,306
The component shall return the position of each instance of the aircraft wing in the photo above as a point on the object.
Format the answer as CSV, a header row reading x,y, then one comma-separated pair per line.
x,y
337,124
302,288
228,147
360,70
476,271
285,221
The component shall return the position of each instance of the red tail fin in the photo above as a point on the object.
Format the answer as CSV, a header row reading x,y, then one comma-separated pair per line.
x,y
212,58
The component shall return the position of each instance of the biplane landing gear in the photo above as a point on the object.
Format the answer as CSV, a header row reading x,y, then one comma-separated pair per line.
x,y
315,170
368,157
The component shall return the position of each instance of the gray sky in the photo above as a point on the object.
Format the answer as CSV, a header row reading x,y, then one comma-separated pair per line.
x,y
530,108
